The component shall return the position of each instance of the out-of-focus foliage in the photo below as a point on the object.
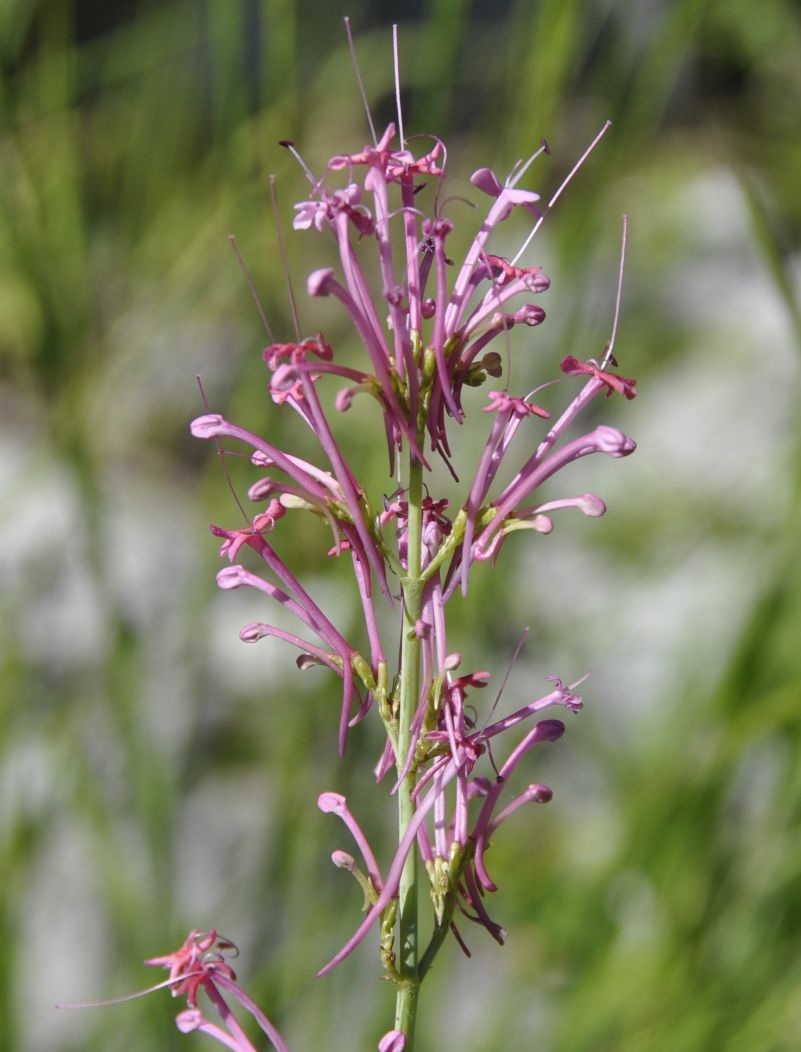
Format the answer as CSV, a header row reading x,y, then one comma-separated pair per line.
x,y
157,775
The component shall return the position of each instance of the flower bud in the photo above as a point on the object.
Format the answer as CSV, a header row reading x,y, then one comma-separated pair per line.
x,y
319,282
209,426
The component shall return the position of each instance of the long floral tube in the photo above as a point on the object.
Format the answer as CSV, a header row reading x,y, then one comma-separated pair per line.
x,y
473,897
323,625
212,425
250,1005
241,1039
558,696
534,793
545,730
394,874
506,199
396,319
237,576
359,303
479,488
306,475
335,803
256,630
603,439
346,481
362,576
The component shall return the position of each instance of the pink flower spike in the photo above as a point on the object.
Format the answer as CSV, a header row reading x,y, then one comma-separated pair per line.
x,y
394,1041
624,385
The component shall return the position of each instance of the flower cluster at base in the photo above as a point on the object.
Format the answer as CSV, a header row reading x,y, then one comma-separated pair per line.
x,y
426,340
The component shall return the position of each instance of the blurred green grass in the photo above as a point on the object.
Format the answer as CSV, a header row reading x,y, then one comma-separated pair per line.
x,y
154,774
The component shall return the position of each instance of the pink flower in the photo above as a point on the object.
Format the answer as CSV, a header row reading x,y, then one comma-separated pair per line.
x,y
621,384
201,964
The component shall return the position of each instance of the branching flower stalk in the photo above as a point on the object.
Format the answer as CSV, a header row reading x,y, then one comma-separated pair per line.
x,y
426,339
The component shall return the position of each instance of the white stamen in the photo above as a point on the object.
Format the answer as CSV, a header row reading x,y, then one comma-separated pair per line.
x,y
521,168
282,251
509,667
564,185
252,288
289,145
607,358
359,80
397,83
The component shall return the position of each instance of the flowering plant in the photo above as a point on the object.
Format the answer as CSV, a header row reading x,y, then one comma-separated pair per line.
x,y
426,340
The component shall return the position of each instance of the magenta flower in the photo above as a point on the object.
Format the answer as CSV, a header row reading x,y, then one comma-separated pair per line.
x,y
200,964
621,384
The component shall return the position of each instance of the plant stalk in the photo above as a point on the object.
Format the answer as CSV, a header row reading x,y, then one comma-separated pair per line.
x,y
408,936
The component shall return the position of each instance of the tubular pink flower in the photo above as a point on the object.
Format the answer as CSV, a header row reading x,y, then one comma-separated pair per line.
x,y
238,577
506,200
200,963
335,803
602,440
501,401
621,384
390,888
535,793
472,897
545,730
510,413
250,1006
590,505
257,630
309,478
357,302
238,1035
438,230
558,696
347,483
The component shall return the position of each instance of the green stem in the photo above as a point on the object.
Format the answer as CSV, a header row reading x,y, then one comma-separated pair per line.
x,y
443,926
407,990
